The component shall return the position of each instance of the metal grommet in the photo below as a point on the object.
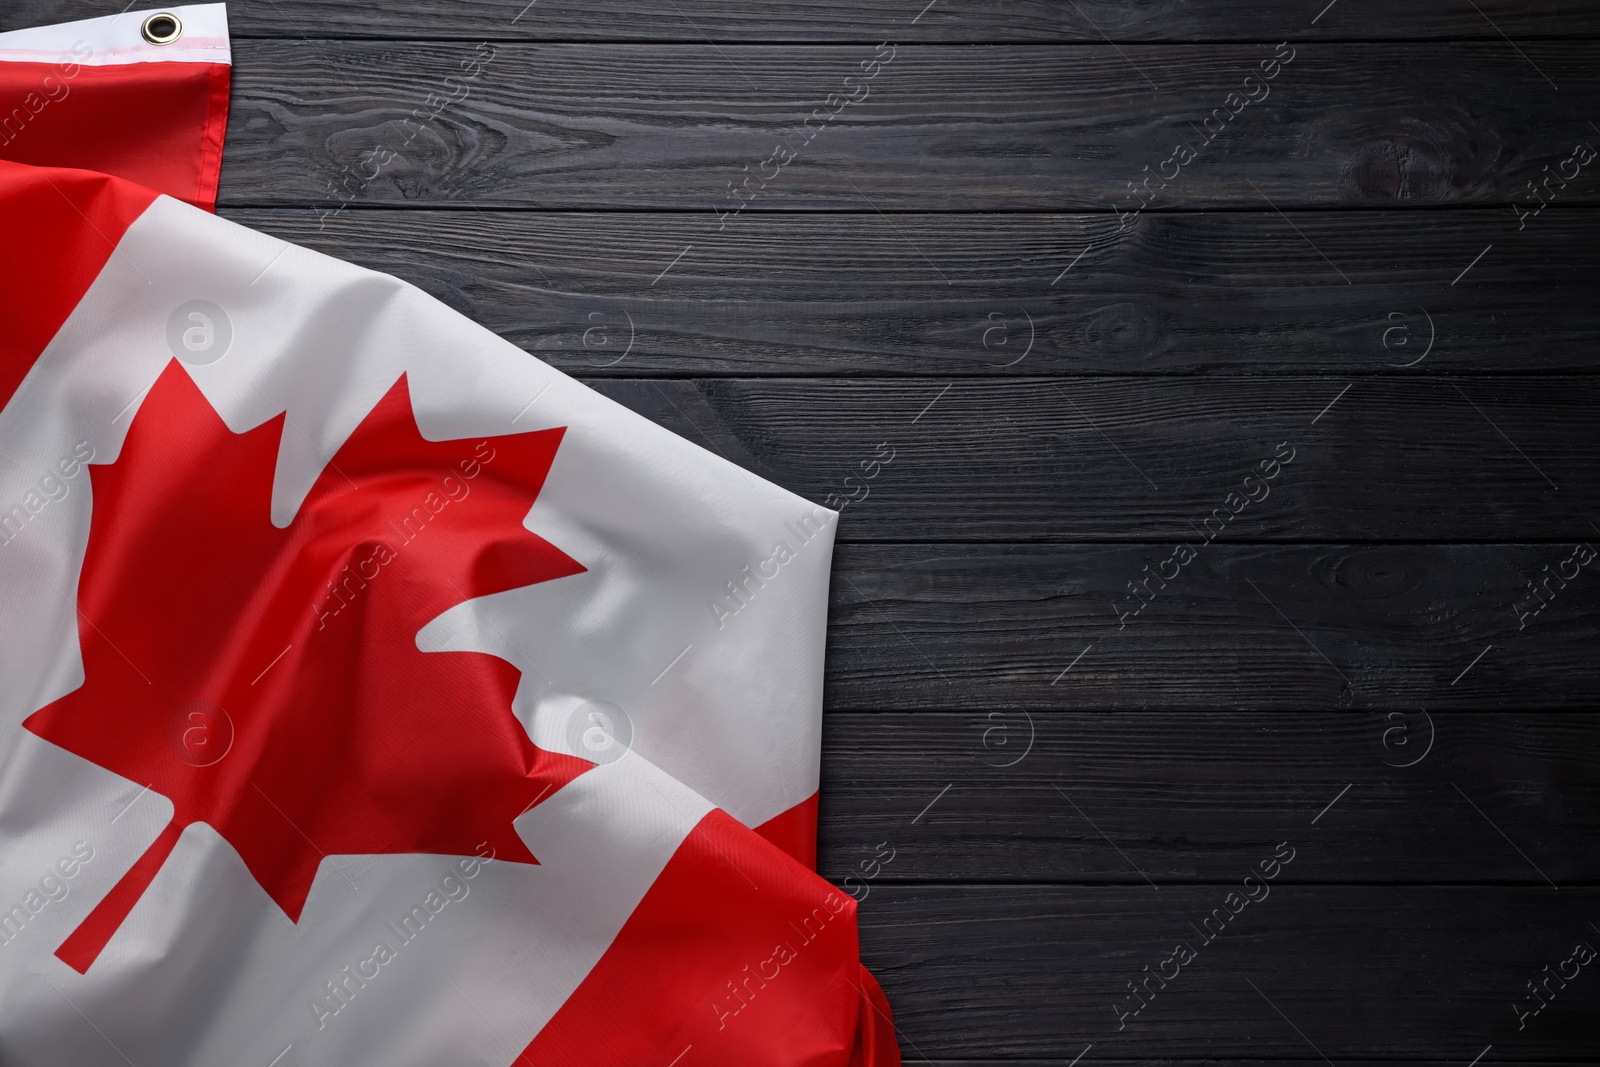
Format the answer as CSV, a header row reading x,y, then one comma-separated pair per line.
x,y
162,28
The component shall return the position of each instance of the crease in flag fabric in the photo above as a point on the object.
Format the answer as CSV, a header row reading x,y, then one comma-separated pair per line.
x,y
370,691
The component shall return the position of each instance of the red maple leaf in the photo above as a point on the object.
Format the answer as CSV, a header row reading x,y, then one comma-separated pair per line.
x,y
267,681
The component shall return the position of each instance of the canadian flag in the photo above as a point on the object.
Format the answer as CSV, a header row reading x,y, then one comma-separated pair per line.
x,y
370,692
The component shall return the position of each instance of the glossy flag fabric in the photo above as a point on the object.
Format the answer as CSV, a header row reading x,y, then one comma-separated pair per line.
x,y
370,692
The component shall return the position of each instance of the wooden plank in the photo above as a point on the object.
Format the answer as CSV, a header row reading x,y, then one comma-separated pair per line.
x,y
833,294
1037,628
834,20
1085,798
1342,972
941,128
1153,459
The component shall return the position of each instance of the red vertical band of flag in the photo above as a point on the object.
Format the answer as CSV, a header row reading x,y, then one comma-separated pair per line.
x,y
99,143
735,955
159,125
62,228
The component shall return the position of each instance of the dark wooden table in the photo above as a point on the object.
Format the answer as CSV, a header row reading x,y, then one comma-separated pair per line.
x,y
1211,390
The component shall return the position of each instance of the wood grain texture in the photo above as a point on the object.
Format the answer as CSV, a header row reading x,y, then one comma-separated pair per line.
x,y
942,128
1355,972
1151,459
834,20
931,295
1065,796
1284,628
